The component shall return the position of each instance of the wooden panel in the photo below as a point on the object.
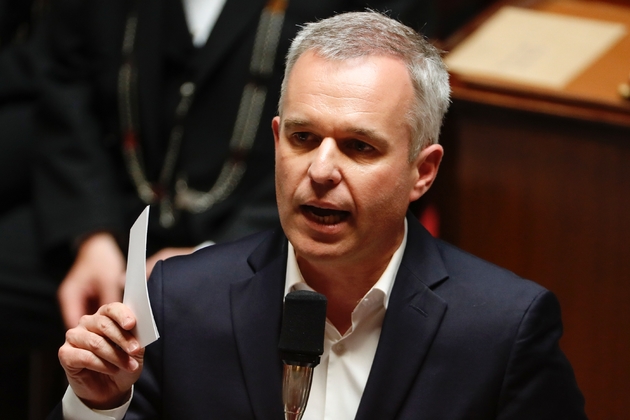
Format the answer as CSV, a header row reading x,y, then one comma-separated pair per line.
x,y
549,198
593,94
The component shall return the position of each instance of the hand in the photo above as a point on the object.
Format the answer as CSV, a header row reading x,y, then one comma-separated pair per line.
x,y
97,277
163,254
101,358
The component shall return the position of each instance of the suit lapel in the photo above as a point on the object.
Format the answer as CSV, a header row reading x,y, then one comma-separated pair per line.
x,y
257,313
149,44
237,18
411,322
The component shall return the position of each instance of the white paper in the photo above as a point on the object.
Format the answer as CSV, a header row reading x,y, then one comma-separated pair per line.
x,y
136,295
534,47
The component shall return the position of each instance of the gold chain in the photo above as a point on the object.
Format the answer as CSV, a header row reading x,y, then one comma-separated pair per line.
x,y
243,135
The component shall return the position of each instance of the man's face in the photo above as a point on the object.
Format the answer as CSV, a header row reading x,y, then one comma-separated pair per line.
x,y
343,176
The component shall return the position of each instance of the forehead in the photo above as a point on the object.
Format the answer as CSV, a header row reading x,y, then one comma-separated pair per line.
x,y
375,91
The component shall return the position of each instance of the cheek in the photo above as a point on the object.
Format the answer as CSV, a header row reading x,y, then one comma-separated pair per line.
x,y
288,175
386,193
283,198
281,182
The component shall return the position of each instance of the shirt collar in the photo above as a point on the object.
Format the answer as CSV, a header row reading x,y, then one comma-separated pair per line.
x,y
295,281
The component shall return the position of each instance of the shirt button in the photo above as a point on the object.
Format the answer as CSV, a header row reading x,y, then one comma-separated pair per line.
x,y
339,348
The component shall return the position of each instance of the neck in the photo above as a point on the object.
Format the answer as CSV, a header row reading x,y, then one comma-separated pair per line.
x,y
344,287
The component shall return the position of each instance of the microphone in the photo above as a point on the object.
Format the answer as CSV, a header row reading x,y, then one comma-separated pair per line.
x,y
301,345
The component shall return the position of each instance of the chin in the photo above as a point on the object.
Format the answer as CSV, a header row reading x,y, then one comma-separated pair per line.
x,y
316,250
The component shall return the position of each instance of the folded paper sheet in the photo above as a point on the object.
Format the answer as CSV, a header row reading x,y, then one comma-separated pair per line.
x,y
534,47
136,294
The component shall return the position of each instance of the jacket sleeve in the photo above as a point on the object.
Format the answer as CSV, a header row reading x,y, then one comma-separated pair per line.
x,y
539,382
74,183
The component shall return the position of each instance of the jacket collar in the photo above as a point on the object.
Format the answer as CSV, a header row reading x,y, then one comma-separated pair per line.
x,y
236,18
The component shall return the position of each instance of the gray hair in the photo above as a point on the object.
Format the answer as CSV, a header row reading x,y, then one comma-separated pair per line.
x,y
357,34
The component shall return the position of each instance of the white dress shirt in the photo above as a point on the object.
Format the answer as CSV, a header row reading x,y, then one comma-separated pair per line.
x,y
201,15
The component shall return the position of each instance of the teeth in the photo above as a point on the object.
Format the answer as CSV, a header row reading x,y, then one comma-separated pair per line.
x,y
329,220
327,216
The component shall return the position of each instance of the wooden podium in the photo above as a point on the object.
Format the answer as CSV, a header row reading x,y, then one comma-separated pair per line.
x,y
538,180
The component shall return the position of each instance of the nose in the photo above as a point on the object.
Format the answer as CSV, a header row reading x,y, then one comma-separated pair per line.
x,y
324,167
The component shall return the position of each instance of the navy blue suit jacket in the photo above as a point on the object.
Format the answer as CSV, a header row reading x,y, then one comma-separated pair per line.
x,y
461,339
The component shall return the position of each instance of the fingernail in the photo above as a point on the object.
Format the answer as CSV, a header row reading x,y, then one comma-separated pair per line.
x,y
133,364
126,322
133,347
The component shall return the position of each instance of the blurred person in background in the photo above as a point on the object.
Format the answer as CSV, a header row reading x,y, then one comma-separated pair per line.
x,y
160,103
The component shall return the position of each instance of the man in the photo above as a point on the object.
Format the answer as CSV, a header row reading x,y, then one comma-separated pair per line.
x,y
415,328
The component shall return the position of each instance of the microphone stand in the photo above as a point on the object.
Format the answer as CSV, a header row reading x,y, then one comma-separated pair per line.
x,y
296,386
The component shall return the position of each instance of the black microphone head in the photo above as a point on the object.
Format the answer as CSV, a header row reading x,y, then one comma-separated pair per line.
x,y
303,326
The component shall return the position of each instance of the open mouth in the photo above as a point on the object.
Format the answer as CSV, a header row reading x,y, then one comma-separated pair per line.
x,y
325,216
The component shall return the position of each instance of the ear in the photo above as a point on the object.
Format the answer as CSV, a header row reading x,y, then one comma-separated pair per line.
x,y
275,127
425,168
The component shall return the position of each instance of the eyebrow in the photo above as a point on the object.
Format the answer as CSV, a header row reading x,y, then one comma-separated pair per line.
x,y
292,123
297,123
368,133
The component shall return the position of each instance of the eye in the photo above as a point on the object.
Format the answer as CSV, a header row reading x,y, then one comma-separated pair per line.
x,y
360,146
304,139
301,137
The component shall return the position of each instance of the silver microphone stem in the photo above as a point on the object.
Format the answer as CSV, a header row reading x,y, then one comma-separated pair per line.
x,y
296,385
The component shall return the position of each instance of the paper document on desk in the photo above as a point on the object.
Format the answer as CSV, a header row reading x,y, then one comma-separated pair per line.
x,y
534,47
136,294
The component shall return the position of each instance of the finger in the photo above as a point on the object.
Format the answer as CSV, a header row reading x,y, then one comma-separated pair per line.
x,y
88,350
113,322
73,303
120,313
76,360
